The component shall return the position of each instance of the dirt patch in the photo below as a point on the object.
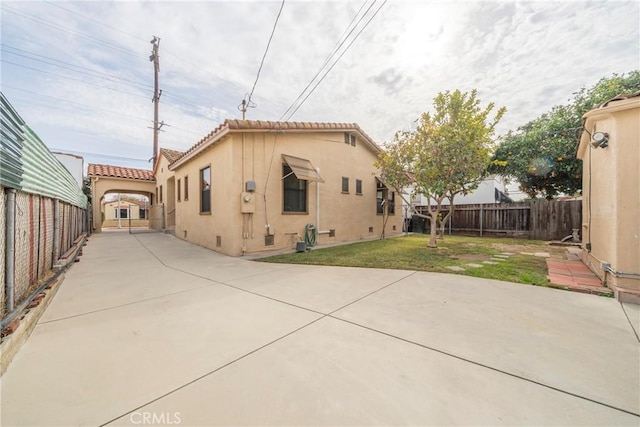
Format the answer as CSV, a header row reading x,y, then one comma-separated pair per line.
x,y
555,251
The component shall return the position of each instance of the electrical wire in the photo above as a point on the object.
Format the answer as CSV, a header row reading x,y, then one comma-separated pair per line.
x,y
71,31
51,3
166,52
275,24
71,78
89,72
290,115
341,40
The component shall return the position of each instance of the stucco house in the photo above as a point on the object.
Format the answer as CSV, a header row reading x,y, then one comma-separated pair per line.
x,y
123,209
166,192
610,151
252,186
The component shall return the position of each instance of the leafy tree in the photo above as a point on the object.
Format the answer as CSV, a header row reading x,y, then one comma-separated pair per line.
x,y
541,155
447,153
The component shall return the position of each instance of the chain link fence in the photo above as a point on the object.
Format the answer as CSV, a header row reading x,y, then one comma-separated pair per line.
x,y
36,250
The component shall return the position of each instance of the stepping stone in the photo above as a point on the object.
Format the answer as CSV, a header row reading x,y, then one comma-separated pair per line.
x,y
501,256
489,262
528,253
542,254
475,265
507,253
497,259
455,268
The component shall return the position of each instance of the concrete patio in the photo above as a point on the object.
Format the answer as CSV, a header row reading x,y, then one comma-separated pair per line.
x,y
150,330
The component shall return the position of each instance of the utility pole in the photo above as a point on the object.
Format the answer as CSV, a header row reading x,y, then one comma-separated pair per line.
x,y
155,58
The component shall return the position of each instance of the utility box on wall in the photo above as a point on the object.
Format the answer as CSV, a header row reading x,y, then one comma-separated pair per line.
x,y
247,203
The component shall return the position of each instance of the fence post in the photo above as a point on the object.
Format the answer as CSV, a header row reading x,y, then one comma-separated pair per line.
x,y
481,219
56,230
10,256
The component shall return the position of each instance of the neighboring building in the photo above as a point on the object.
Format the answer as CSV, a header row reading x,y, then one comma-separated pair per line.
x,y
493,189
610,151
74,164
123,210
108,179
252,186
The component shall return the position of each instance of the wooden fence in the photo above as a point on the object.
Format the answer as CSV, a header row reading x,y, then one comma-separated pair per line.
x,y
537,220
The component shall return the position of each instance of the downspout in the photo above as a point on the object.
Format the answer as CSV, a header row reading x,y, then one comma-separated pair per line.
x,y
10,256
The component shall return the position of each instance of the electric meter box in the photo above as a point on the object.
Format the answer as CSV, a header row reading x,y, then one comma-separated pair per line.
x,y
247,203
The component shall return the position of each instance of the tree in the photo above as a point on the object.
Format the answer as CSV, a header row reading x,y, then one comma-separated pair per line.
x,y
447,153
541,155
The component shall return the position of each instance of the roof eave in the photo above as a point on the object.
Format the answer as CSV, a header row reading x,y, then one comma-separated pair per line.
x,y
202,147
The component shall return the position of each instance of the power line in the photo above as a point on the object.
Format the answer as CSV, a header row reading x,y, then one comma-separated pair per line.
x,y
341,40
275,24
335,62
50,3
71,31
86,153
92,107
142,39
71,78
71,66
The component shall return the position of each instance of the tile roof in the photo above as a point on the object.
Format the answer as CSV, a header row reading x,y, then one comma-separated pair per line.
x,y
263,125
171,155
120,172
620,97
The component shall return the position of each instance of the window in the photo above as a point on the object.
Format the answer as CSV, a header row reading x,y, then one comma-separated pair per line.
x,y
205,190
359,187
124,213
391,207
143,213
178,190
186,187
380,201
295,191
345,184
160,195
349,139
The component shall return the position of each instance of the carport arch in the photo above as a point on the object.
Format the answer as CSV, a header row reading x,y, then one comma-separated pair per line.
x,y
114,179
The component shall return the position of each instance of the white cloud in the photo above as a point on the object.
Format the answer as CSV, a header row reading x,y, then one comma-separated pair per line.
x,y
527,56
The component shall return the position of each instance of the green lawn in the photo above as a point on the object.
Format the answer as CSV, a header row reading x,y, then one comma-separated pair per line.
x,y
412,253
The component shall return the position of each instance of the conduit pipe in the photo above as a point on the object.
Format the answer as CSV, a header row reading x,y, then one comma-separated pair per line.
x,y
10,252
320,231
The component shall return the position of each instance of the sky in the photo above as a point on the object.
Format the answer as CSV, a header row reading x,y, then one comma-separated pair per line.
x,y
79,72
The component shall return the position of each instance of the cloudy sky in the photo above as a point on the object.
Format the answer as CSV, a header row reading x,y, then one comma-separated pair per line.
x,y
79,72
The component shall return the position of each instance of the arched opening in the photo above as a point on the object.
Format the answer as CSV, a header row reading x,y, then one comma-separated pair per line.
x,y
126,209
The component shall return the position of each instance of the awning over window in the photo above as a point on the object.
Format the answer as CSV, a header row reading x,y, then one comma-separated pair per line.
x,y
302,168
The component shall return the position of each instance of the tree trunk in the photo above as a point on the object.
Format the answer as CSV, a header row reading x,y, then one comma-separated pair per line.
x,y
432,234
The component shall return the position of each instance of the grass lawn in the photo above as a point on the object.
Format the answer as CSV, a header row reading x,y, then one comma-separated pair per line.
x,y
412,253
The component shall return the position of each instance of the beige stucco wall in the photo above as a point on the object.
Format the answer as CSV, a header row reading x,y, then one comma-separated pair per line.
x,y
101,185
611,196
350,215
164,202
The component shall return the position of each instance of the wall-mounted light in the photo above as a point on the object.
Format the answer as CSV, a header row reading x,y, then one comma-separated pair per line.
x,y
600,139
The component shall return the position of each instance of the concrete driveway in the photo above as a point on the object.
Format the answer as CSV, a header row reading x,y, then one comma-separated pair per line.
x,y
150,330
